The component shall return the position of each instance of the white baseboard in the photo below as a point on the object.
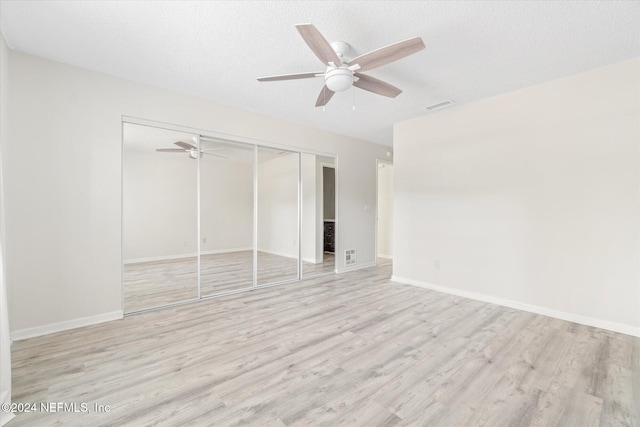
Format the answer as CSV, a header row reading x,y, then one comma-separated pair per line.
x,y
5,417
219,251
571,317
282,254
190,255
227,251
159,258
37,331
385,256
356,267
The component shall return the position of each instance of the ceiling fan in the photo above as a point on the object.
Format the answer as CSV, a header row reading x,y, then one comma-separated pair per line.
x,y
192,149
340,74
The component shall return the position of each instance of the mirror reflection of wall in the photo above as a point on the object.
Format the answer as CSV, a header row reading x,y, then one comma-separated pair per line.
x,y
205,216
278,176
318,214
226,216
159,218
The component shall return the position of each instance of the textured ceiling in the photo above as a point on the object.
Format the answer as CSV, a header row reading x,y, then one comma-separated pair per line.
x,y
215,50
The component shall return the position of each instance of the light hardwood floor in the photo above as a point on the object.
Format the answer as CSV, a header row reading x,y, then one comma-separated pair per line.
x,y
352,349
157,283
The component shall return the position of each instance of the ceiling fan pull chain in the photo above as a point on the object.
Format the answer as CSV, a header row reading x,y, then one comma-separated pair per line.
x,y
354,97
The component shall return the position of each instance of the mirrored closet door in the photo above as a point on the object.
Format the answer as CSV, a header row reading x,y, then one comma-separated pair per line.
x,y
226,216
159,217
207,215
278,174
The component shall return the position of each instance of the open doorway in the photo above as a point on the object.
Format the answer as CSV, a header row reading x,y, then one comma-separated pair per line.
x,y
329,210
384,223
318,218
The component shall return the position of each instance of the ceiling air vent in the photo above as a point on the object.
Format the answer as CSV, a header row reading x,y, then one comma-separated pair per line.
x,y
439,105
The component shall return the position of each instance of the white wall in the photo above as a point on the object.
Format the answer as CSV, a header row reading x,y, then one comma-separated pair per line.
x,y
531,198
159,206
226,204
310,195
63,178
5,340
385,210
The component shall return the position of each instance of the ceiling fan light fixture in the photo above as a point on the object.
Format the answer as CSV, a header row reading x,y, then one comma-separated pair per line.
x,y
339,80
342,74
194,154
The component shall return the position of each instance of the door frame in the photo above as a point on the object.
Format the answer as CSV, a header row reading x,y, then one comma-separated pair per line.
x,y
378,167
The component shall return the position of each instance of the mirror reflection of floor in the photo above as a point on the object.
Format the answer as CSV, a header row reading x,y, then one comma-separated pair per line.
x,y
156,283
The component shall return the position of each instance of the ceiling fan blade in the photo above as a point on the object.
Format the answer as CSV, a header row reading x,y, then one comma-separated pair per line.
x,y
318,44
374,85
290,76
170,150
217,155
388,54
186,145
324,97
212,149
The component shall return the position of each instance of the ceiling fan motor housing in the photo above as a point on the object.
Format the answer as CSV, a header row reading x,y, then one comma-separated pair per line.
x,y
341,48
338,79
194,154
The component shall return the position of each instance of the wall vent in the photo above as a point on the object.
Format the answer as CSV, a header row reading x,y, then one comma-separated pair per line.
x,y
350,257
439,105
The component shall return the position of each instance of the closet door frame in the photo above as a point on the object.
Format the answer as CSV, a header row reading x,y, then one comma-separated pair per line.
x,y
234,139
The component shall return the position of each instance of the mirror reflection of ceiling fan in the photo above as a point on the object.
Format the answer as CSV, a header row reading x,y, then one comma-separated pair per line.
x,y
191,149
342,74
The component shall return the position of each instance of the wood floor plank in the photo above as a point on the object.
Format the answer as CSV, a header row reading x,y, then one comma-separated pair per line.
x,y
348,349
